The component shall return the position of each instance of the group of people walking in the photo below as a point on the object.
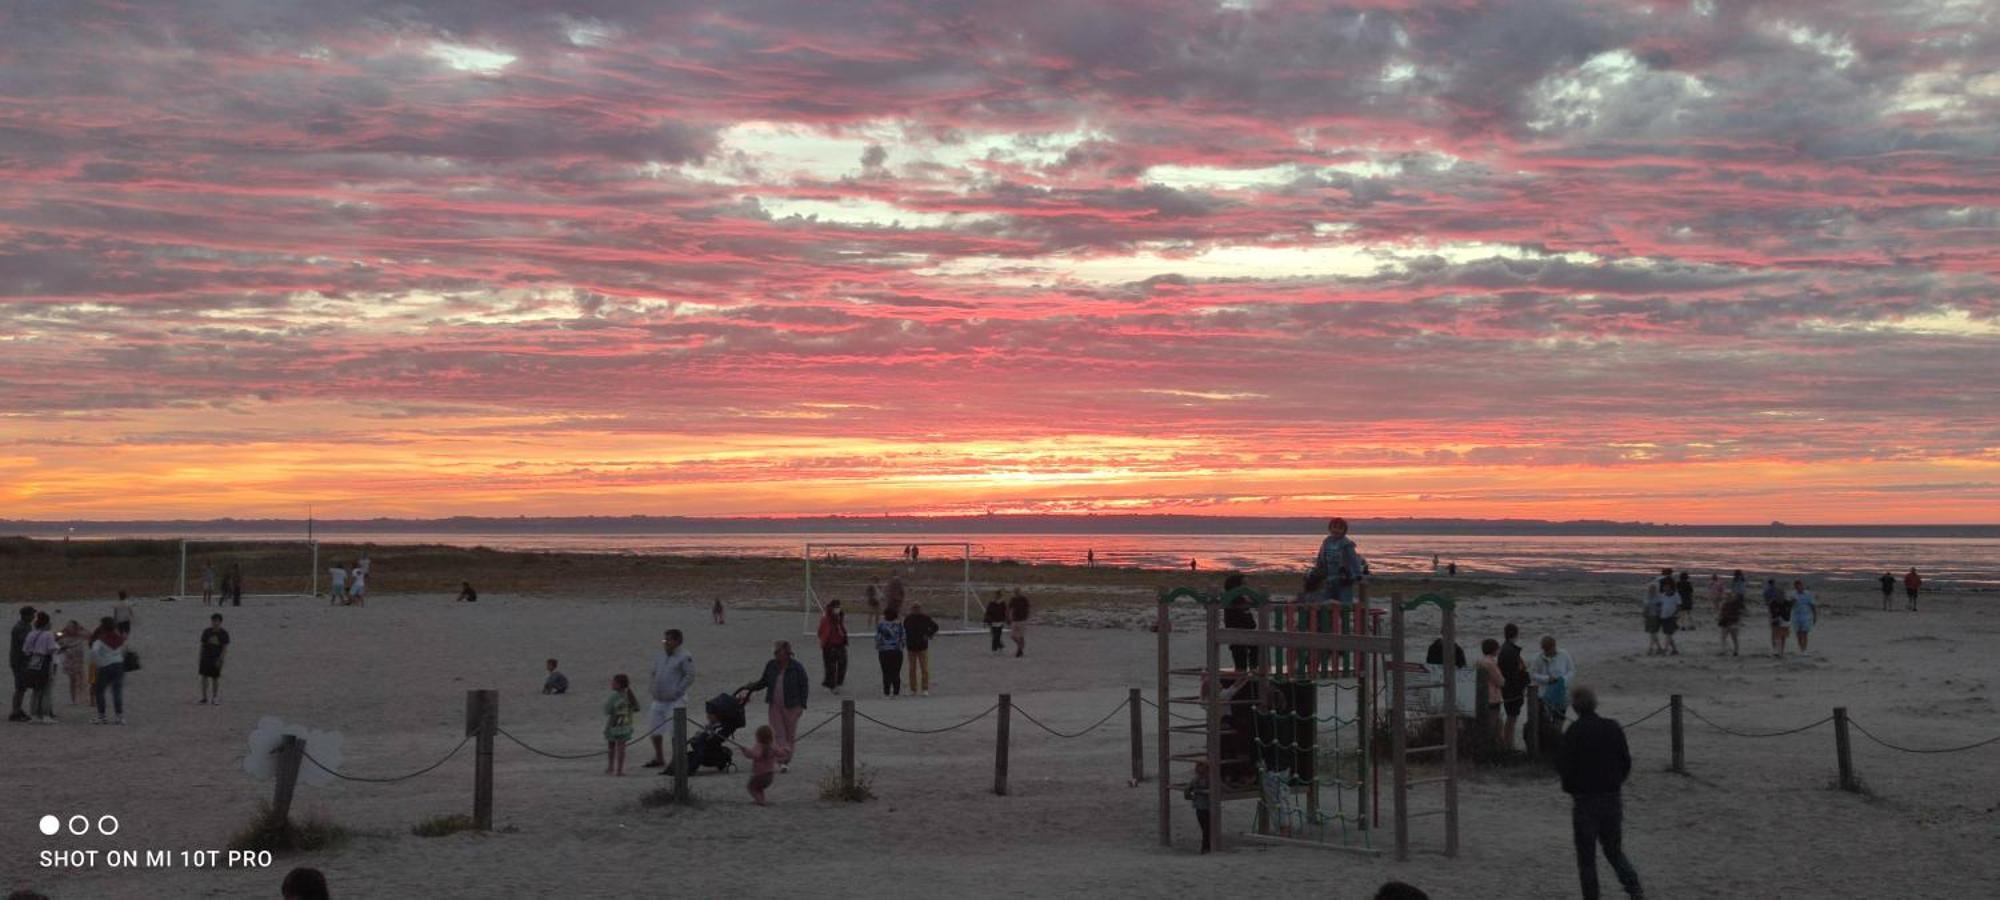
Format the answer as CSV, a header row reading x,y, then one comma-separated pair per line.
x,y
348,585
1792,614
95,661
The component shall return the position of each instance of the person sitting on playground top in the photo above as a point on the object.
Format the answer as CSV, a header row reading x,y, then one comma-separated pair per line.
x,y
1238,614
1339,561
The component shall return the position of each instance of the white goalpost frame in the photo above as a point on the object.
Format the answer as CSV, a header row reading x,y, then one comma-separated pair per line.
x,y
813,606
180,587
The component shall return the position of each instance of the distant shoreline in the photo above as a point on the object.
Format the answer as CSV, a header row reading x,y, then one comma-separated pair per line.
x,y
974,525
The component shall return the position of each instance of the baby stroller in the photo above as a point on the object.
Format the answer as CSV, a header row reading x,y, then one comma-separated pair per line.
x,y
710,746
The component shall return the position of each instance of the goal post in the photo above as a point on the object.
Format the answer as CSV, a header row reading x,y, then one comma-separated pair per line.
x,y
840,570
273,560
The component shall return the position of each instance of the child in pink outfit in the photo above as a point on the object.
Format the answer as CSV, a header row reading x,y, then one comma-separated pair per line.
x,y
765,756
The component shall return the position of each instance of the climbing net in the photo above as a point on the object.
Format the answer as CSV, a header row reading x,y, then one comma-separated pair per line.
x,y
1311,757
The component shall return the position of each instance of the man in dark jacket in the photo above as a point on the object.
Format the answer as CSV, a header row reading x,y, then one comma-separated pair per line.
x,y
918,629
1594,763
1514,683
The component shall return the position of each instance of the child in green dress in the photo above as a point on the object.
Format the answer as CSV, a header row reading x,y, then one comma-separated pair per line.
x,y
618,711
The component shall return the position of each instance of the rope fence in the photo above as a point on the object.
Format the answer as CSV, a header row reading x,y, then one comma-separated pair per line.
x,y
1972,746
1754,734
423,771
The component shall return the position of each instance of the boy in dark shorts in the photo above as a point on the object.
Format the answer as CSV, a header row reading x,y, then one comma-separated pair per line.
x,y
214,645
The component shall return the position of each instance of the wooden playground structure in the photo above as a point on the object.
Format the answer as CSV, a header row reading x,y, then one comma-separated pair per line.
x,y
1259,725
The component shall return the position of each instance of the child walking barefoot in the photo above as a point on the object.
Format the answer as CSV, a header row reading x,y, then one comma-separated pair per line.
x,y
764,756
618,711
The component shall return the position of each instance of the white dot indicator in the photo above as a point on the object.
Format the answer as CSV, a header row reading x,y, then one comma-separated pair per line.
x,y
51,825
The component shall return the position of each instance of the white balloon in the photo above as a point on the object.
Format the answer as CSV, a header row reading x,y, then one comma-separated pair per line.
x,y
260,759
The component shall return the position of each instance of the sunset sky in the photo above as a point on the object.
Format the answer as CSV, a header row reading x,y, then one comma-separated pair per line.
x,y
1694,262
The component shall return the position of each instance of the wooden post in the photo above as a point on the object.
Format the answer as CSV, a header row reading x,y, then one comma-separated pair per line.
x,y
680,754
1450,732
847,747
291,752
1000,747
1674,714
482,720
1164,748
1138,737
1398,742
1212,687
1841,749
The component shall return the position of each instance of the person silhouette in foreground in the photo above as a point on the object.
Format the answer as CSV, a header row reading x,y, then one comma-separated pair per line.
x,y
1594,762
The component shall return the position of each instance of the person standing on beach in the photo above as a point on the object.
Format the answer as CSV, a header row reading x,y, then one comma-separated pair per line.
x,y
40,648
207,583
715,614
892,598
1912,583
1090,559
214,644
357,587
1513,683
1489,663
918,629
1594,761
996,617
1740,586
619,708
1805,614
336,579
17,662
121,614
1651,612
889,653
874,600
1339,562
1888,590
1670,614
1716,592
1684,588
235,583
1552,672
1781,616
1017,617
74,640
833,646
1730,621
784,683
107,652
673,676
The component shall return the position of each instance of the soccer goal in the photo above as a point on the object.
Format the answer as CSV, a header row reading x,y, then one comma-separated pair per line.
x,y
267,568
940,575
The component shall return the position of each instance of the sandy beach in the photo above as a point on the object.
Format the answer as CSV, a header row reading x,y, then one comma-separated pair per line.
x,y
1753,817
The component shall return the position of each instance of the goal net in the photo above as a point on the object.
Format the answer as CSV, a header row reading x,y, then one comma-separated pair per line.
x,y
265,568
939,577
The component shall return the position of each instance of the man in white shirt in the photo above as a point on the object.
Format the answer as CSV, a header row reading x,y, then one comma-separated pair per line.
x,y
1553,672
1669,611
673,675
337,578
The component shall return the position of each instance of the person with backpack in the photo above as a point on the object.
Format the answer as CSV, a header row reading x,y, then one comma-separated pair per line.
x,y
833,646
918,629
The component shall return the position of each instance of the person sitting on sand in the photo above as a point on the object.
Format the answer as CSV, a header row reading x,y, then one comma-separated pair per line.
x,y
556,682
619,708
1781,616
1805,614
766,758
466,594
